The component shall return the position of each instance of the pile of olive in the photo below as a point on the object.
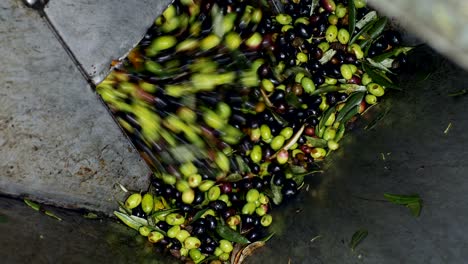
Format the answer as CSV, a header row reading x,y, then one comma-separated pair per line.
x,y
232,103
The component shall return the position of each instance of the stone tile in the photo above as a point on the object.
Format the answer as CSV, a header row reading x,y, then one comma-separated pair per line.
x,y
103,30
58,143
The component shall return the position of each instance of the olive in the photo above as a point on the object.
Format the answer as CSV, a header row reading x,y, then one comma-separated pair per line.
x,y
331,98
254,235
279,178
257,183
318,79
393,37
246,184
288,192
138,211
380,45
226,187
198,230
175,244
290,183
207,249
211,222
303,31
218,205
255,168
274,168
163,225
199,197
228,213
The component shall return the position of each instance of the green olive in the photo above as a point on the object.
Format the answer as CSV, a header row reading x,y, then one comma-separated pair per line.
x,y
194,180
225,245
375,89
333,19
206,185
144,230
324,46
225,198
302,57
248,208
331,33
188,196
223,110
329,133
252,195
133,201
195,254
260,211
254,40
299,77
155,237
172,232
222,161
287,132
277,142
263,199
356,49
182,185
266,220
343,36
282,156
267,85
192,242
371,99
224,257
346,71
284,19
330,120
360,3
308,85
182,235
265,133
333,145
209,42
256,154
232,40
366,79
161,43
318,153
147,203
214,193
175,219
341,10
188,169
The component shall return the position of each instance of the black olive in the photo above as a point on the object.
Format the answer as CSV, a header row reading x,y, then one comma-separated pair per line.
x,y
207,249
198,230
163,225
199,197
255,168
138,211
264,71
318,79
342,96
274,168
302,140
393,37
246,184
313,121
175,244
279,178
211,222
288,192
290,183
218,205
380,45
303,31
228,213
254,235
331,98
257,183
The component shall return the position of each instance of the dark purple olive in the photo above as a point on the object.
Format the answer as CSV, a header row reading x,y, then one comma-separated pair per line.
x,y
257,183
288,192
393,37
211,222
279,178
138,211
162,225
198,230
303,31
175,244
199,197
218,205
226,187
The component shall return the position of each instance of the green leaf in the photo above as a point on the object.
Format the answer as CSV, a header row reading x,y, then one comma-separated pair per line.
x,y
316,142
362,31
231,235
353,101
378,78
198,215
357,238
233,177
351,17
31,204
321,124
340,131
126,219
393,53
353,112
413,202
122,205
265,239
374,32
164,212
313,6
293,100
347,88
277,196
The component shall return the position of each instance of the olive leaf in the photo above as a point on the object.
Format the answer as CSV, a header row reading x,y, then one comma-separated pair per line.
x,y
316,142
374,32
231,235
364,29
351,17
244,168
340,132
357,238
353,101
198,215
163,212
277,196
233,177
392,53
379,78
126,219
413,202
313,5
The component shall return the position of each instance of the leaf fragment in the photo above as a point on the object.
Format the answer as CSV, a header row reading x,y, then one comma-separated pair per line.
x,y
357,238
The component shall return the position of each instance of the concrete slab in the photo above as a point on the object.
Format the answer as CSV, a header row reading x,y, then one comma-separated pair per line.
x,y
103,30
58,144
